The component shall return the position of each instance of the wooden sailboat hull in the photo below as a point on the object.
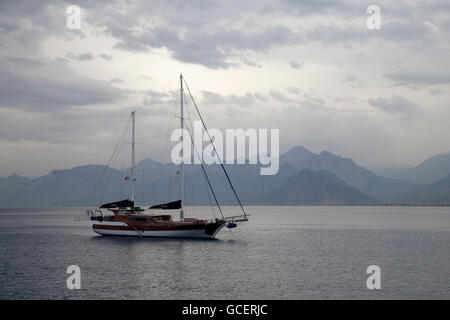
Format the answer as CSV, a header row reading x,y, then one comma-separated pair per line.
x,y
110,228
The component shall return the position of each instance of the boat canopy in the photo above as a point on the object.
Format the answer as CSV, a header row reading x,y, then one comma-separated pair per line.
x,y
168,206
118,204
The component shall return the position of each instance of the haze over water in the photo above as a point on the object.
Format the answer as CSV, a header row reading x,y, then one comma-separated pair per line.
x,y
282,253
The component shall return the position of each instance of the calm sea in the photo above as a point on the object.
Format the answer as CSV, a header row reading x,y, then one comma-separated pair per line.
x,y
282,253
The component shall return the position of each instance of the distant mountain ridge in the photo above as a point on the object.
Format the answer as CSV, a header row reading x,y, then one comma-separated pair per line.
x,y
380,188
304,178
431,170
319,187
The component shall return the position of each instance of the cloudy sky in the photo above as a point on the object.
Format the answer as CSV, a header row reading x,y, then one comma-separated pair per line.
x,y
310,68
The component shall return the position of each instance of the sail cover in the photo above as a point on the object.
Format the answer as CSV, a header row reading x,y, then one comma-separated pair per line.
x,y
168,206
117,204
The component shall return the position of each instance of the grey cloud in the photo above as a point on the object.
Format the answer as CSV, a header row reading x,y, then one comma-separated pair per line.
x,y
203,32
28,23
215,98
62,60
212,34
87,56
307,7
51,87
396,105
261,97
160,100
296,65
313,102
418,78
31,81
276,95
211,49
251,63
105,56
436,91
115,80
158,95
219,35
62,127
146,77
352,81
294,90
404,31
22,61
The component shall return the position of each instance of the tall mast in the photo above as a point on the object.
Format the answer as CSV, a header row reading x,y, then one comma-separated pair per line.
x,y
182,151
133,157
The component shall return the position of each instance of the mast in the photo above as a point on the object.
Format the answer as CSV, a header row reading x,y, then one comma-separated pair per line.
x,y
182,151
133,157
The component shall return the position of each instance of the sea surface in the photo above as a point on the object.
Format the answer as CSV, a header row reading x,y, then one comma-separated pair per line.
x,y
310,252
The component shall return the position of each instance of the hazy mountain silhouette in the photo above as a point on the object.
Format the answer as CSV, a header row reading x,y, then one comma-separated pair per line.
x,y
330,179
307,187
432,169
380,188
436,191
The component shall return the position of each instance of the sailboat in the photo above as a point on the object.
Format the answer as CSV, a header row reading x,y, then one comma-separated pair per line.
x,y
130,220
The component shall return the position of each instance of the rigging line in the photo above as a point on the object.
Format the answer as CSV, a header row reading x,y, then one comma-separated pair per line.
x,y
104,173
140,172
143,177
161,144
109,176
115,153
209,198
198,156
214,147
114,162
120,185
206,176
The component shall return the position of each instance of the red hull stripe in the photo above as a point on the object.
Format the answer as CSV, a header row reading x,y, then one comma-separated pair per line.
x,y
149,228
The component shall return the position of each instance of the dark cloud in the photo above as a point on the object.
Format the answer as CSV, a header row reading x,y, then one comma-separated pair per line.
x,y
221,45
49,87
211,49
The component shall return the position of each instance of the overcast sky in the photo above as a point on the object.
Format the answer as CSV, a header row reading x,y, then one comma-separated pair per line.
x,y
310,68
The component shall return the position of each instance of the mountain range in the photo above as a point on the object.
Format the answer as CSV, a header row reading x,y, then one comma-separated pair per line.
x,y
304,178
429,171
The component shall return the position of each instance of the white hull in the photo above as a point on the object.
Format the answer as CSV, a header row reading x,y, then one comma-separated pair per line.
x,y
198,233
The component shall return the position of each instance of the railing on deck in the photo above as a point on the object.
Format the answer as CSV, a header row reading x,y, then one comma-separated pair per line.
x,y
240,218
